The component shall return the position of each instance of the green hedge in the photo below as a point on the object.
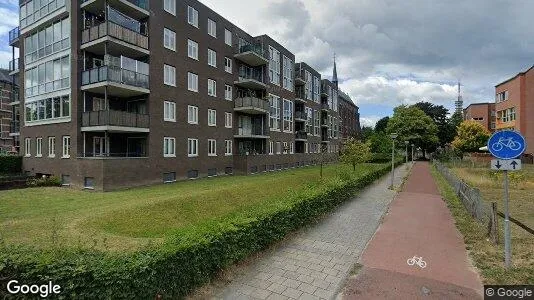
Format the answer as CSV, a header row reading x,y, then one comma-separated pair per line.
x,y
10,164
190,258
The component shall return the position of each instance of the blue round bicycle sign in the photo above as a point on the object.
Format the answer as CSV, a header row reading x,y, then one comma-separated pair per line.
x,y
507,144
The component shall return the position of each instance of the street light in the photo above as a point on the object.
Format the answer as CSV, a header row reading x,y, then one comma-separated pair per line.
x,y
393,137
407,143
412,153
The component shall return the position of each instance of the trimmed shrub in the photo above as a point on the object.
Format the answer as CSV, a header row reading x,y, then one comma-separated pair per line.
x,y
10,164
188,258
44,181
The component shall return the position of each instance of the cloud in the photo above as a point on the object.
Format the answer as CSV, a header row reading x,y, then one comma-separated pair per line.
x,y
369,121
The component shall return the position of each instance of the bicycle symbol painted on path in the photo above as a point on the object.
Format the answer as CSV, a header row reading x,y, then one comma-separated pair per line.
x,y
506,143
416,260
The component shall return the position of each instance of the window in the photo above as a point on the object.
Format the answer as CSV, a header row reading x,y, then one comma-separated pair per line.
x,y
228,147
288,116
169,39
274,119
503,96
52,146
274,65
169,75
212,147
192,146
169,111
309,120
271,148
228,65
286,148
278,148
228,120
316,89
317,122
66,147
27,147
212,88
212,117
47,77
55,41
169,177
192,82
288,74
212,28
228,92
212,58
291,148
89,183
47,109
39,147
227,37
170,6
192,49
192,16
192,114
169,147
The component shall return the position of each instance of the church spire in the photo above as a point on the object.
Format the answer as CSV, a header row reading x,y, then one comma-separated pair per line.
x,y
334,76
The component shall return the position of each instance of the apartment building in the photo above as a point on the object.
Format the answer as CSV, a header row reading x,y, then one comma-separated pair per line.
x,y
350,117
514,103
483,113
117,93
7,139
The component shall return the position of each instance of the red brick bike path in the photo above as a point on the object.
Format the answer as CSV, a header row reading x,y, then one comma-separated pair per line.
x,y
418,223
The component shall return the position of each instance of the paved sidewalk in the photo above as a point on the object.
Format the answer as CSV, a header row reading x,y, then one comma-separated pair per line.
x,y
418,224
315,263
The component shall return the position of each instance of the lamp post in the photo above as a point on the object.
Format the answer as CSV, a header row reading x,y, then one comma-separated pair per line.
x,y
412,153
406,143
393,137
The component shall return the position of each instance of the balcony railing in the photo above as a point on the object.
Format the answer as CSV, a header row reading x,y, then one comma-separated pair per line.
x,y
14,34
115,155
324,89
139,3
300,77
15,126
117,31
115,118
300,93
252,102
301,115
257,49
325,106
254,130
301,135
115,74
14,65
251,73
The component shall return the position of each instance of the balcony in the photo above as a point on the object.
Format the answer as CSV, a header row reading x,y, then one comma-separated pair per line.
x,y
114,121
325,89
300,78
15,128
252,132
14,66
251,78
301,136
119,82
252,55
123,41
324,123
300,95
251,105
325,106
301,116
14,37
138,9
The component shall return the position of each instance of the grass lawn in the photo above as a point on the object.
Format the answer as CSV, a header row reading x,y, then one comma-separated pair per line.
x,y
127,220
489,258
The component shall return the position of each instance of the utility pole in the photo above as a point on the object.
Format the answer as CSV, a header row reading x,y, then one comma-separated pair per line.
x,y
507,237
406,142
393,137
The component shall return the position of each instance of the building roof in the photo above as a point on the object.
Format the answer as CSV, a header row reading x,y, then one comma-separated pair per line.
x,y
514,77
344,96
479,103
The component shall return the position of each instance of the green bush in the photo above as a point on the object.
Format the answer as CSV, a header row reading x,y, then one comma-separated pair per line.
x,y
189,257
44,181
10,164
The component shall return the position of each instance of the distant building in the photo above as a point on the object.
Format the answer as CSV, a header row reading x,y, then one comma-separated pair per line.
x,y
483,113
9,141
514,105
350,117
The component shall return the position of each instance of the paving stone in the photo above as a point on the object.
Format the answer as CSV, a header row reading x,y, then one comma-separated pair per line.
x,y
261,294
323,293
321,283
291,283
305,278
306,296
277,297
277,288
307,288
292,293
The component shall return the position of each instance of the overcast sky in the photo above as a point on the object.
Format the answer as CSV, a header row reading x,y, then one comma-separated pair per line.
x,y
390,52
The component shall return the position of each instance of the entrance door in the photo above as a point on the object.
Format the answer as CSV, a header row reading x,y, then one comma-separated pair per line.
x,y
99,146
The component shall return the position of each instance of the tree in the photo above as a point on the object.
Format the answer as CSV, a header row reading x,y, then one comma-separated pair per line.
x,y
413,125
367,132
471,136
355,152
438,114
380,142
382,124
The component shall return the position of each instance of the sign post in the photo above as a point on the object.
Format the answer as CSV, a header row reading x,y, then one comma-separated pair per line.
x,y
506,146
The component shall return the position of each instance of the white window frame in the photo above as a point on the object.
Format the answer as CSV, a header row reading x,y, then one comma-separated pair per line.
x,y
169,39
288,116
212,88
192,114
27,147
169,70
228,65
51,146
285,149
291,148
271,148
192,49
170,6
169,151
66,146
212,147
228,37
228,145
228,120
192,16
274,66
212,28
278,148
212,58
169,111
228,92
192,147
212,117
39,147
274,114
288,73
192,82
